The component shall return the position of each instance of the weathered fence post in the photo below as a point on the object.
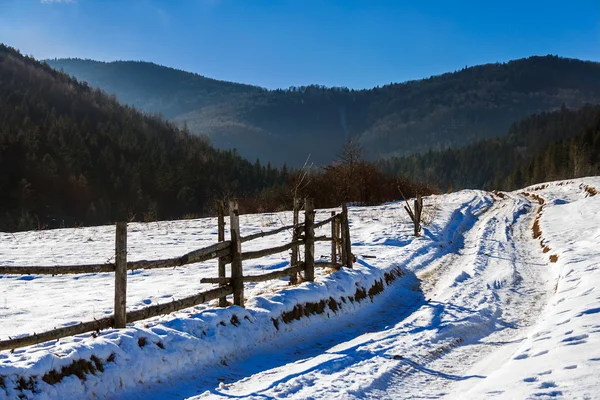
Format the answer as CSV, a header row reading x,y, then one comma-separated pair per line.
x,y
309,240
295,234
346,242
338,237
121,275
418,209
415,215
333,239
221,238
236,254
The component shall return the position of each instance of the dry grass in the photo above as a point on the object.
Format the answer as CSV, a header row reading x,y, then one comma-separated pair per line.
x,y
554,258
537,232
590,190
499,194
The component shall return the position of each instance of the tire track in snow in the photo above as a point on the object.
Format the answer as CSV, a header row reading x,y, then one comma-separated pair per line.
x,y
501,272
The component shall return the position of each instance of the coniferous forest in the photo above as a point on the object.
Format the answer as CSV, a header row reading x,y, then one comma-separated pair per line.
x,y
70,154
542,147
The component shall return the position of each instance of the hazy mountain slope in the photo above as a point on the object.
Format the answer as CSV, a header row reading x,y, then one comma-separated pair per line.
x,y
452,109
70,155
150,87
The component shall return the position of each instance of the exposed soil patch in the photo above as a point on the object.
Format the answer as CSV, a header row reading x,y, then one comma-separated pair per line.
x,y
81,368
499,194
307,309
537,232
590,190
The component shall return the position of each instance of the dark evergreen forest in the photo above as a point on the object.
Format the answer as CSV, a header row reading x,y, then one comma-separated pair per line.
x,y
542,147
71,155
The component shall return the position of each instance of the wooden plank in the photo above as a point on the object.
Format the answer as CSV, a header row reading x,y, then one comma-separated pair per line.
x,y
236,254
187,302
326,221
220,280
105,323
268,233
309,241
348,243
333,236
275,274
343,256
250,255
204,254
326,264
221,238
338,237
54,334
121,275
58,270
295,234
210,252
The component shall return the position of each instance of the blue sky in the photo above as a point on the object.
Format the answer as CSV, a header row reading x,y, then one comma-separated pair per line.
x,y
280,43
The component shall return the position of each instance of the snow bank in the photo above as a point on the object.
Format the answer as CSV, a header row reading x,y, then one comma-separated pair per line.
x,y
560,356
118,360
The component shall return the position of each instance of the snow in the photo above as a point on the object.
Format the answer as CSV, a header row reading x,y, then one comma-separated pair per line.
x,y
480,310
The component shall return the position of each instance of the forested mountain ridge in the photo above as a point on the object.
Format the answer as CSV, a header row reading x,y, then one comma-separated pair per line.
x,y
562,144
443,111
70,154
152,88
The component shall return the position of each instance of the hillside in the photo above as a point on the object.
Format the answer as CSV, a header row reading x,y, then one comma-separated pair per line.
x,y
549,146
449,110
485,305
72,155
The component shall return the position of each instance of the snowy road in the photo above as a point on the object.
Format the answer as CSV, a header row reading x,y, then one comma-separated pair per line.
x,y
486,309
484,292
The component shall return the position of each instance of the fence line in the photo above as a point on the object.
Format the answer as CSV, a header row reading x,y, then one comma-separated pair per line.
x,y
227,252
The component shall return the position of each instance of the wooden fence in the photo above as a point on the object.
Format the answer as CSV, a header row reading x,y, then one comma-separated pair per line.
x,y
226,251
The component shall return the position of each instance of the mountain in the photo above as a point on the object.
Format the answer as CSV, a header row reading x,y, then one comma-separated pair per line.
x,y
562,144
449,110
72,155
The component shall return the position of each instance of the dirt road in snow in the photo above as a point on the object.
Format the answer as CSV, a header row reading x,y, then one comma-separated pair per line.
x,y
483,310
485,283
484,298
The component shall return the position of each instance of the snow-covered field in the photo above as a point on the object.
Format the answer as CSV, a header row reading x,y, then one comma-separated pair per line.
x,y
479,310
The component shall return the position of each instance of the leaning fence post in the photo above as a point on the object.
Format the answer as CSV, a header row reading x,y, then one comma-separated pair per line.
x,y
121,275
333,239
338,237
221,238
295,234
309,240
347,245
236,254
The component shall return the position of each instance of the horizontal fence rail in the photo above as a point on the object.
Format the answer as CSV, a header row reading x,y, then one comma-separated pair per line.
x,y
207,253
226,251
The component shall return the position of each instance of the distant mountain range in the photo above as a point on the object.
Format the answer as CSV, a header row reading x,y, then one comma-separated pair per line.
x,y
449,110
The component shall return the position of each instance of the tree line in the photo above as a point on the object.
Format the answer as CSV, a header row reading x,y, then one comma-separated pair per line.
x,y
542,147
72,155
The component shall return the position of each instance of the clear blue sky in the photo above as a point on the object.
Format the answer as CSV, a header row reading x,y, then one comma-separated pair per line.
x,y
279,43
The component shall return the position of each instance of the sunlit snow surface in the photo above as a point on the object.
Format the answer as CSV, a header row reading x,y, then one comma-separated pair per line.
x,y
493,317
